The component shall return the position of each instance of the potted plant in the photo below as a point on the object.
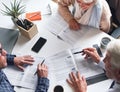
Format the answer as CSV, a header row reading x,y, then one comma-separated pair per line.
x,y
26,27
14,10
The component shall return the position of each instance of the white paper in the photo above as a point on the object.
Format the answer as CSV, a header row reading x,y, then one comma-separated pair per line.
x,y
62,63
25,79
59,27
56,24
88,67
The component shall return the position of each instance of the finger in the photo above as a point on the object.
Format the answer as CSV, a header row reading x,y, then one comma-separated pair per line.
x,y
39,66
74,76
21,68
4,52
27,56
69,82
83,78
29,59
43,65
78,75
46,67
87,56
28,62
89,49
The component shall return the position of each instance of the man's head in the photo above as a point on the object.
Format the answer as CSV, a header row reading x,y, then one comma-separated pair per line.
x,y
112,60
3,62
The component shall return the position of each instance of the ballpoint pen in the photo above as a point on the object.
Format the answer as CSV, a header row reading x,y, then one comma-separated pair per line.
x,y
41,64
78,52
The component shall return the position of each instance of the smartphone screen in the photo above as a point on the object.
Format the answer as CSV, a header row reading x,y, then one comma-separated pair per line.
x,y
39,44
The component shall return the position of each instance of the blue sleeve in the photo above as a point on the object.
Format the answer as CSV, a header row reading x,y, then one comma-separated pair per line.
x,y
43,85
10,59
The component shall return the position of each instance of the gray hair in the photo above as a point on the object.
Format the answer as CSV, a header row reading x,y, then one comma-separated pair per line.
x,y
113,49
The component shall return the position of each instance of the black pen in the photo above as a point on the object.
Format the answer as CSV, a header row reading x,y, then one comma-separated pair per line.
x,y
41,64
78,52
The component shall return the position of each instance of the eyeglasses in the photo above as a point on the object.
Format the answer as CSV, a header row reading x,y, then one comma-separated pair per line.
x,y
0,50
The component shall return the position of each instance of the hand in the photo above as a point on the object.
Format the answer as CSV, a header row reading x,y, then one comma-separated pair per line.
x,y
20,61
92,53
74,25
77,82
42,70
4,52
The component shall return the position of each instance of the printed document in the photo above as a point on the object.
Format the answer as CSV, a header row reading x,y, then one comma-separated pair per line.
x,y
59,27
25,79
62,63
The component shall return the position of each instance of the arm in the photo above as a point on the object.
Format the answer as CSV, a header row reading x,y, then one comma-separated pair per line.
x,y
43,81
19,61
43,84
105,18
63,8
10,59
66,14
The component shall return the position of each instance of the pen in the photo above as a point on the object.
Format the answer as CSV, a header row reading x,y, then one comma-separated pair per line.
x,y
34,15
41,64
78,52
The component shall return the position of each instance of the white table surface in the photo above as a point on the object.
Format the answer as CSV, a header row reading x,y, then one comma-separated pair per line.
x,y
53,45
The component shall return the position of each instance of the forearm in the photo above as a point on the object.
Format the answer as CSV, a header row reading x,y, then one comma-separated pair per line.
x,y
105,25
105,18
43,85
63,8
10,59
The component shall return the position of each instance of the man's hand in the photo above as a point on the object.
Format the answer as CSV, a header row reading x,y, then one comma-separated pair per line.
x,y
91,53
42,70
20,61
74,25
77,82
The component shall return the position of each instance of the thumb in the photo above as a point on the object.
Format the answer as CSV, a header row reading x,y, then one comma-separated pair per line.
x,y
20,67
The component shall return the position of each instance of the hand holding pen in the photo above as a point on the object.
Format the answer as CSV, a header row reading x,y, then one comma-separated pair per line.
x,y
42,70
38,65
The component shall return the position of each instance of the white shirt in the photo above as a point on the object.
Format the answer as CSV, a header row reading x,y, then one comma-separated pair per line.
x,y
116,87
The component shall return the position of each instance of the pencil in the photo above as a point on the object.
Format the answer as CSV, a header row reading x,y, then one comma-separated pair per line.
x,y
41,64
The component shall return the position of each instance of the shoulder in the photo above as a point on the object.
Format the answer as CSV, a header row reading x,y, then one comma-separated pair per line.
x,y
105,8
66,2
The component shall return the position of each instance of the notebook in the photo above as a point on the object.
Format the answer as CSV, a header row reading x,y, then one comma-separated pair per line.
x,y
8,38
33,16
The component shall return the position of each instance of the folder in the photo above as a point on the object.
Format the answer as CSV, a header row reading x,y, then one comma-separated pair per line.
x,y
33,16
8,38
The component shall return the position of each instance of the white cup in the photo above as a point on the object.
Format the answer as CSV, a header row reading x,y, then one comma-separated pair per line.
x,y
104,42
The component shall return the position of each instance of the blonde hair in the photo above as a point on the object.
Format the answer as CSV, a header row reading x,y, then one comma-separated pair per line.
x,y
113,49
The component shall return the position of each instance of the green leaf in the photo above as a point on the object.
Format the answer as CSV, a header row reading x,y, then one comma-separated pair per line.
x,y
14,10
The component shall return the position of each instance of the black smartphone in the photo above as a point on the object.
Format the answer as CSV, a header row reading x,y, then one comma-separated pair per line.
x,y
39,44
98,50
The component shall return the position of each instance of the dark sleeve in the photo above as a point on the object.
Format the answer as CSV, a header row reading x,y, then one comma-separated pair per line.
x,y
43,85
10,59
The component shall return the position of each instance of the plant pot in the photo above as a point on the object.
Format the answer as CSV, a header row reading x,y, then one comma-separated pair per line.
x,y
30,33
